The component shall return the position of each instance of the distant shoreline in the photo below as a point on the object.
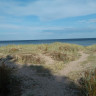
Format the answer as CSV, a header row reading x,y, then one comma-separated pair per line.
x,y
83,41
49,39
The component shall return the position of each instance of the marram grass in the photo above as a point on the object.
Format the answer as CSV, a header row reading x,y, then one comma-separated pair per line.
x,y
88,83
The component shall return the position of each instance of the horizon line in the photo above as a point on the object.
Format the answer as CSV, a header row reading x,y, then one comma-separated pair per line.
x,y
47,39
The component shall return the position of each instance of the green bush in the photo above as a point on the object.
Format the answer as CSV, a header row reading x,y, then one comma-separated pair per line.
x,y
88,83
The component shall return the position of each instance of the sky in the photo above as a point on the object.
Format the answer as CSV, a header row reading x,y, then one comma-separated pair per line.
x,y
47,19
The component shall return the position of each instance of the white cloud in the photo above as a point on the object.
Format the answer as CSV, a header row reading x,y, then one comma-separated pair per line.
x,y
50,9
35,30
92,20
88,21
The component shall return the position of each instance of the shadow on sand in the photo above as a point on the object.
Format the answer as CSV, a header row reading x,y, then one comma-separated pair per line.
x,y
39,81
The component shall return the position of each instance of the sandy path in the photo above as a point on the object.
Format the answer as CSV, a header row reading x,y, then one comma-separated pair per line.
x,y
46,86
74,65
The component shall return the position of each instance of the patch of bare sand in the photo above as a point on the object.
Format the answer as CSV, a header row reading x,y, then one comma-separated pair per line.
x,y
47,59
74,65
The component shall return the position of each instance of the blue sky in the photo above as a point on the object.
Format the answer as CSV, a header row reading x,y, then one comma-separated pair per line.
x,y
47,19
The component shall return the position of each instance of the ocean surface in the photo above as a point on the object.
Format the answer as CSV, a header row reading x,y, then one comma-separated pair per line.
x,y
84,41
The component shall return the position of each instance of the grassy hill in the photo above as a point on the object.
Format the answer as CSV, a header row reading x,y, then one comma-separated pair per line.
x,y
56,66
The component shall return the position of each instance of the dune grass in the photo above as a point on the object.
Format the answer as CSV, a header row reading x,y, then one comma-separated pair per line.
x,y
56,50
88,83
60,53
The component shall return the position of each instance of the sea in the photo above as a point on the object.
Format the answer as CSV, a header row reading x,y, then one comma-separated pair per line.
x,y
81,41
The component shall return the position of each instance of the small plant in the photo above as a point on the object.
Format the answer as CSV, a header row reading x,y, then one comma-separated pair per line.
x,y
88,83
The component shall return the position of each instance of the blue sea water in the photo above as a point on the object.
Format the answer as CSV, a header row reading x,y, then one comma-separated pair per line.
x,y
84,41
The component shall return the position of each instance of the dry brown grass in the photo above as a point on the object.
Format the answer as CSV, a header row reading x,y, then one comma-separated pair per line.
x,y
65,57
13,50
88,83
29,58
